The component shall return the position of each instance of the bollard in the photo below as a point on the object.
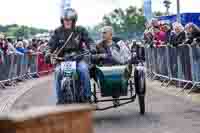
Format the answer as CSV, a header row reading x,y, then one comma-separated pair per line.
x,y
58,119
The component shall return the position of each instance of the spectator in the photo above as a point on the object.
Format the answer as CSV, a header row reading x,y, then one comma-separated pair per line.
x,y
193,32
27,46
159,36
26,43
42,47
180,34
167,28
148,36
155,23
11,48
34,45
20,47
3,44
19,39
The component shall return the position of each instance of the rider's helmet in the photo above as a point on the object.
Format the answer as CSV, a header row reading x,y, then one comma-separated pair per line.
x,y
70,14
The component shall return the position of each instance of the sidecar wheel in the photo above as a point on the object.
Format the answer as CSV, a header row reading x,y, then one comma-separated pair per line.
x,y
141,100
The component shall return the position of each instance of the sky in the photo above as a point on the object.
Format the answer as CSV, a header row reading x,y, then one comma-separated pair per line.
x,y
46,13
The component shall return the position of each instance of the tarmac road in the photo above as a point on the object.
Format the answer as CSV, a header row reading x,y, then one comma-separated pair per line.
x,y
165,113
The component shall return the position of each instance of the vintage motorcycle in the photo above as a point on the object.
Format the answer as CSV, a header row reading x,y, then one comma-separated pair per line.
x,y
119,84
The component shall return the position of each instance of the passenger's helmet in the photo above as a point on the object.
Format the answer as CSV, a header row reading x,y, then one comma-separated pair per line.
x,y
70,14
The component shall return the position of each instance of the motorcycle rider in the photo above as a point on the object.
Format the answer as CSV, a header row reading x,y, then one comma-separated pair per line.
x,y
78,43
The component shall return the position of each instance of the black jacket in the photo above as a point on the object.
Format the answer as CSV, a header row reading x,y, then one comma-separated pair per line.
x,y
192,36
179,39
75,44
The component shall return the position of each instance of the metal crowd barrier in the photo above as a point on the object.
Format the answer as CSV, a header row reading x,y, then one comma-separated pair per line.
x,y
180,64
19,67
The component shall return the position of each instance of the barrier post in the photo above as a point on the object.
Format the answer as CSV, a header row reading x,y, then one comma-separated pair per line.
x,y
147,56
2,63
192,69
168,66
11,70
196,63
154,62
179,68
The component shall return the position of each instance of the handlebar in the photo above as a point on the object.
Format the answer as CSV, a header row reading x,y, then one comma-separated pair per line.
x,y
94,57
58,58
74,57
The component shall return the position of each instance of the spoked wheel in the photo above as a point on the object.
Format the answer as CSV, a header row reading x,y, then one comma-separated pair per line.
x,y
68,92
141,100
141,96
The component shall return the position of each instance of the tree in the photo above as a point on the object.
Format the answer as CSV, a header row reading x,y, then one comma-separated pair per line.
x,y
126,22
17,31
158,13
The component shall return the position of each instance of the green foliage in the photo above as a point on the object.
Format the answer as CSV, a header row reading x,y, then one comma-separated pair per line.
x,y
158,13
17,31
95,32
126,23
131,19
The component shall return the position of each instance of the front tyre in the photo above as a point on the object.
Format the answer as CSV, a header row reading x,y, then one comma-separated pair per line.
x,y
67,91
141,100
140,86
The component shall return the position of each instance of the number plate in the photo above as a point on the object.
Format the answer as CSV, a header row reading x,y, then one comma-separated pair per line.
x,y
69,66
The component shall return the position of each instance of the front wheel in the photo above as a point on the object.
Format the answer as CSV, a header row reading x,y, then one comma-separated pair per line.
x,y
140,86
141,100
68,91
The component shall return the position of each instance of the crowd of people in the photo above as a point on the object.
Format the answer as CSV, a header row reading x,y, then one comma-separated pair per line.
x,y
19,47
159,33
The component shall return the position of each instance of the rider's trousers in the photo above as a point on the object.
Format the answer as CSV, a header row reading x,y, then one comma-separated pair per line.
x,y
83,70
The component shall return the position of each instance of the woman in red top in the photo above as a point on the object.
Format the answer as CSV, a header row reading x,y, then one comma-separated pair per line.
x,y
159,36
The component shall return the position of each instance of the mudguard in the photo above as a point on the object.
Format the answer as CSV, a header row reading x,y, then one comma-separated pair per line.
x,y
140,80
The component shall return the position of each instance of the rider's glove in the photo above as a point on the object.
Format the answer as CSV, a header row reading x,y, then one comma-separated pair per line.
x,y
102,56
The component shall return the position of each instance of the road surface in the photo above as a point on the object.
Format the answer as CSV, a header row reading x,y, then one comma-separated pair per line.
x,y
165,113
